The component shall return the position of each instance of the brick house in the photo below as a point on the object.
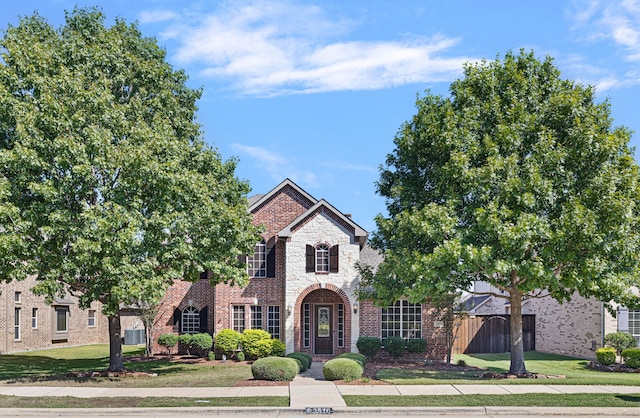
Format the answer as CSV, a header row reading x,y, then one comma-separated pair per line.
x,y
302,285
574,328
30,324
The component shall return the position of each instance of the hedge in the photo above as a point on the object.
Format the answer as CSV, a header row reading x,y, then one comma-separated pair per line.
x,y
358,358
369,346
631,357
226,342
342,369
305,360
276,369
606,355
394,346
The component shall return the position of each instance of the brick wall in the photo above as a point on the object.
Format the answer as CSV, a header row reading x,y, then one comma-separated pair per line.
x,y
42,335
181,294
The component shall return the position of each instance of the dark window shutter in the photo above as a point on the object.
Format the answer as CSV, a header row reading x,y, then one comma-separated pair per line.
x,y
271,261
205,275
333,259
177,314
203,319
311,259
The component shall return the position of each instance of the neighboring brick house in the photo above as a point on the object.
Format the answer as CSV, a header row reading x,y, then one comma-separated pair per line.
x,y
302,285
574,328
30,324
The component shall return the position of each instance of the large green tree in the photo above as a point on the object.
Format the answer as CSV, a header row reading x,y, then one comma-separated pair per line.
x,y
517,179
107,190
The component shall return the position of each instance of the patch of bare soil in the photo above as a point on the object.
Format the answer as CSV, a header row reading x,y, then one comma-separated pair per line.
x,y
620,368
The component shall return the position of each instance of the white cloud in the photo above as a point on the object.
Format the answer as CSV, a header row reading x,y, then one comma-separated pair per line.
x,y
277,166
274,48
616,21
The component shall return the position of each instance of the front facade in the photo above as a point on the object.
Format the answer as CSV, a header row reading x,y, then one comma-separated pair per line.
x,y
31,324
302,284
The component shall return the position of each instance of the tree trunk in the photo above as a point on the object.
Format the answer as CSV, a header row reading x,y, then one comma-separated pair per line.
x,y
115,344
517,344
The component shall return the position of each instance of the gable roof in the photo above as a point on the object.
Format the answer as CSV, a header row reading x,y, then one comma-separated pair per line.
x,y
359,233
257,200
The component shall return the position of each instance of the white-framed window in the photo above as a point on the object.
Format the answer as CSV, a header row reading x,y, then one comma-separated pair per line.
x,y
17,297
34,318
257,263
91,318
402,319
16,326
273,321
634,324
238,318
306,325
322,258
256,317
190,320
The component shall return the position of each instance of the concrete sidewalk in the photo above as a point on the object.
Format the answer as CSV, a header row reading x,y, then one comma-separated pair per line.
x,y
309,392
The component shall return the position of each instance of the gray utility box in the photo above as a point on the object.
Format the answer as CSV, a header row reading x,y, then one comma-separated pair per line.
x,y
134,336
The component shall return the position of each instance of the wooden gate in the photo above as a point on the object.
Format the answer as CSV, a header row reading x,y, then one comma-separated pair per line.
x,y
491,334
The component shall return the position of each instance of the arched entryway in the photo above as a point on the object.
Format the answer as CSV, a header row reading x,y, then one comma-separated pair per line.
x,y
323,321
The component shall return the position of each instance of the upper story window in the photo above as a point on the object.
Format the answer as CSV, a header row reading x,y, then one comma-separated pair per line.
x,y
322,258
257,263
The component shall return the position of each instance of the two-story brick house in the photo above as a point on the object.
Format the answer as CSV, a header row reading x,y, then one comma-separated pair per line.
x,y
302,284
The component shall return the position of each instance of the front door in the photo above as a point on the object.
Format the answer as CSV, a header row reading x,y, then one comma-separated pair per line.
x,y
324,331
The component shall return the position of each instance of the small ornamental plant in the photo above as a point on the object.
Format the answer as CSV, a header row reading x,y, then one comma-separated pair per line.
x,y
168,341
342,369
606,356
631,357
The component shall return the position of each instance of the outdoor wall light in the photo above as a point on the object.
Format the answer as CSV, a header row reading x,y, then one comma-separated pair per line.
x,y
356,305
289,310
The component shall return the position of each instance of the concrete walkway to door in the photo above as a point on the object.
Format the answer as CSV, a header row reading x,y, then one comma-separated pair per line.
x,y
311,390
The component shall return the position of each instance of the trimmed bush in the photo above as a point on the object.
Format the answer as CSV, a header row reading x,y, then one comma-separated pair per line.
x,y
277,369
342,369
620,341
368,346
168,341
227,341
240,356
305,362
631,357
201,343
253,343
358,358
308,356
277,348
417,345
185,340
394,346
606,355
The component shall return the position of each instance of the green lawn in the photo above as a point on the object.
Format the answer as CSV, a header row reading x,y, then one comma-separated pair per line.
x,y
548,364
50,368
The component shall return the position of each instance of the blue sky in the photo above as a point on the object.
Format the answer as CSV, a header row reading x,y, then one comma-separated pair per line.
x,y
316,91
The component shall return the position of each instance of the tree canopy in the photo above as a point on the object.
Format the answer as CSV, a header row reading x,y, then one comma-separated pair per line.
x,y
107,189
518,179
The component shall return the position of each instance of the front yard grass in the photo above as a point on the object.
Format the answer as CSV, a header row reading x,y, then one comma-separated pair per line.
x,y
574,370
50,368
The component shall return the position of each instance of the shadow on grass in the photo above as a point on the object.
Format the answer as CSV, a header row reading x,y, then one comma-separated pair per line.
x,y
629,398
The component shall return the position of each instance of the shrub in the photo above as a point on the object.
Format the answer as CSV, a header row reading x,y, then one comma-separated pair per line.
x,y
342,369
277,348
202,343
368,346
253,343
631,357
185,339
606,355
358,358
227,341
277,369
240,356
168,341
394,346
416,345
620,341
305,362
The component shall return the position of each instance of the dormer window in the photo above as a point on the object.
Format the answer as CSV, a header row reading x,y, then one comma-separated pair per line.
x,y
322,258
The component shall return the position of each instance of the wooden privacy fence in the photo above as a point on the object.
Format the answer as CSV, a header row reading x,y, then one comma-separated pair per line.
x,y
491,334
